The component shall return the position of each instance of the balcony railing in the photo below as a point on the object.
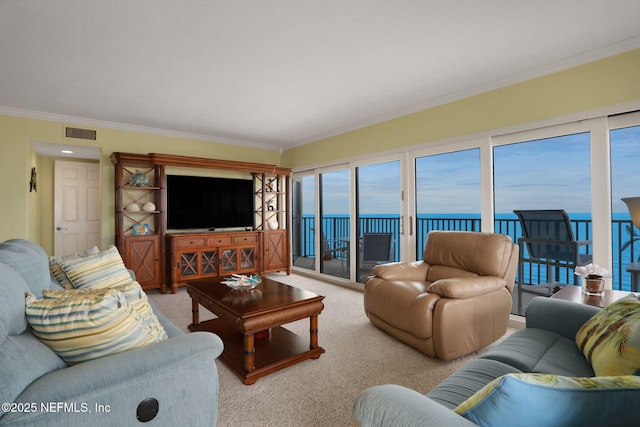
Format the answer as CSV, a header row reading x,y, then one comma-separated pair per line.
x,y
338,227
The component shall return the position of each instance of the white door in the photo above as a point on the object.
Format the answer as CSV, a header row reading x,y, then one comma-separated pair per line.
x,y
76,206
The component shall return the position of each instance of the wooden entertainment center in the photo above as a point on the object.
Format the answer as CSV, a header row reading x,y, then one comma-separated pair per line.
x,y
162,259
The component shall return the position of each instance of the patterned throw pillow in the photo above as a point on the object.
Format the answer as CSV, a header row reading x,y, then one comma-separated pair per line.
x,y
553,400
610,340
102,270
136,298
86,327
56,270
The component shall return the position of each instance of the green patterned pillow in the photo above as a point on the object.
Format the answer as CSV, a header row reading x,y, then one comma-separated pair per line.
x,y
136,298
610,340
546,400
102,270
56,270
86,327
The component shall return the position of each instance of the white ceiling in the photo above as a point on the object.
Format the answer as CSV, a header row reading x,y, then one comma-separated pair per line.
x,y
279,73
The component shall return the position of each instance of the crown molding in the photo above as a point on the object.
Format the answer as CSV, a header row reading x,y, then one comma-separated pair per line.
x,y
83,121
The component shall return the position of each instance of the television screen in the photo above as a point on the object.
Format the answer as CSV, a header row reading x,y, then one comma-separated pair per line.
x,y
198,202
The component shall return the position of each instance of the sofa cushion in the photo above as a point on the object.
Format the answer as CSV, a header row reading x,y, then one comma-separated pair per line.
x,y
610,340
485,254
136,298
56,269
29,260
545,400
466,381
12,291
541,351
102,270
87,327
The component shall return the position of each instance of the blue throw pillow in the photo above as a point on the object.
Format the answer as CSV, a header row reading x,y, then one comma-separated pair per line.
x,y
552,400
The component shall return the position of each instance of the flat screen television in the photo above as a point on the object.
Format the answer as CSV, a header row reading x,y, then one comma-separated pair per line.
x,y
199,202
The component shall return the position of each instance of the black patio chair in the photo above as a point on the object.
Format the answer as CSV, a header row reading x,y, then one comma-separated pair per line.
x,y
377,248
547,236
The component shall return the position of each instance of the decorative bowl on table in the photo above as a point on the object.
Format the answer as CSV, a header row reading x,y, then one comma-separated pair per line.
x,y
239,282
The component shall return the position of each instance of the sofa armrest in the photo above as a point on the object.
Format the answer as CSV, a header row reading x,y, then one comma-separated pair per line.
x,y
180,373
394,405
560,316
466,287
412,271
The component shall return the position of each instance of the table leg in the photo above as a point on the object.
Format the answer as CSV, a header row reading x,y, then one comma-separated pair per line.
x,y
249,353
313,332
195,313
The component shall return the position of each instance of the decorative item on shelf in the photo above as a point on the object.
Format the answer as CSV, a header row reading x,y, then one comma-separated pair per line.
x,y
141,229
139,179
633,204
592,278
270,206
272,225
149,207
269,185
238,282
132,207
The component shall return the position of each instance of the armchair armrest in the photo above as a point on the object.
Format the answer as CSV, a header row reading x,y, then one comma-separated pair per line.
x,y
466,287
393,405
416,270
562,317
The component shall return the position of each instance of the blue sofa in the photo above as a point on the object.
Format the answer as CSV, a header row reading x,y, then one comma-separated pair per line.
x,y
546,346
168,383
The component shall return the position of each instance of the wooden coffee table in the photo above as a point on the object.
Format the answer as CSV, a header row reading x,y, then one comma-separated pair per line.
x,y
249,324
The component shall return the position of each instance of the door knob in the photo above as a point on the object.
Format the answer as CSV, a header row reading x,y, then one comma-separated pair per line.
x,y
61,228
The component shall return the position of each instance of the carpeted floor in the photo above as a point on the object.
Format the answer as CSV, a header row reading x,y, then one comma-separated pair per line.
x,y
319,392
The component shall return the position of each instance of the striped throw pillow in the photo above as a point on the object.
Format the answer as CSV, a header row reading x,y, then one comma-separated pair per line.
x,y
86,327
56,270
136,298
102,270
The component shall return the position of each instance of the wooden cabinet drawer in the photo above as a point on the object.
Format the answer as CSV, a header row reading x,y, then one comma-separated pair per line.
x,y
218,240
249,238
190,242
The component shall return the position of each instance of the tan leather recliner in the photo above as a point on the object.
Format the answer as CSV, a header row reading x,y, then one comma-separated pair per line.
x,y
457,300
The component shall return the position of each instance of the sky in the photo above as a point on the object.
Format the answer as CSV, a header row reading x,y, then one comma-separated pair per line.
x,y
551,173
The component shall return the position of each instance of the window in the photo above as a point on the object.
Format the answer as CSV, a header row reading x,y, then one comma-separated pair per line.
x,y
378,210
303,222
625,182
551,173
447,191
335,224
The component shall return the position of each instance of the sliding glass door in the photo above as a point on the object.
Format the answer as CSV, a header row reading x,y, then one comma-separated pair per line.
x,y
332,239
550,173
447,193
303,221
378,209
625,183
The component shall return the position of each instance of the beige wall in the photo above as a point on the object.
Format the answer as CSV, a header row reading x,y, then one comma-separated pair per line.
x,y
611,81
30,215
608,82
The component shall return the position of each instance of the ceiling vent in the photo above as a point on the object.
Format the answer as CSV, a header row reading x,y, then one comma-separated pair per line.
x,y
80,133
